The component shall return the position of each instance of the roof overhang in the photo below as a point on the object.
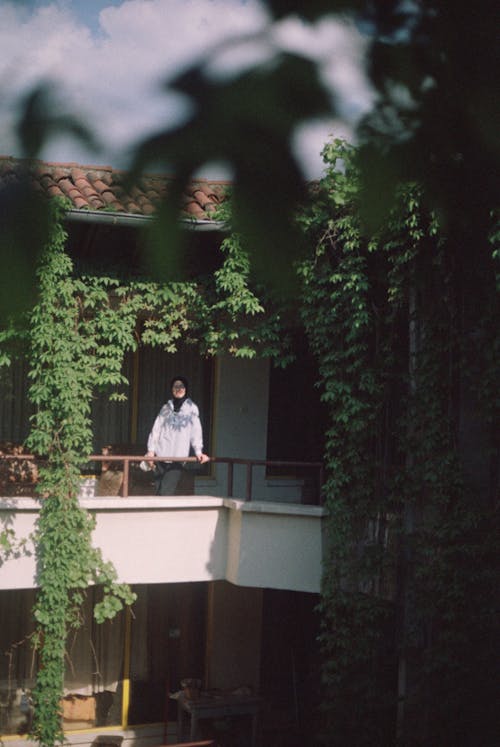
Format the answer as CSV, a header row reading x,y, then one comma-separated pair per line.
x,y
99,217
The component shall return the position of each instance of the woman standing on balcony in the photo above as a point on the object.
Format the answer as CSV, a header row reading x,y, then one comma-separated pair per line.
x,y
176,430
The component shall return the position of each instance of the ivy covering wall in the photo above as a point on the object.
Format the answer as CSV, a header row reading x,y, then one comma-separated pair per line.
x,y
77,334
401,320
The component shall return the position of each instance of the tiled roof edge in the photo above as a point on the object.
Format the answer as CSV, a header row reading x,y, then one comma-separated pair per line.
x,y
99,188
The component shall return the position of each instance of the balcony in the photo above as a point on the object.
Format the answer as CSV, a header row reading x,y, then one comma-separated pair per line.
x,y
229,530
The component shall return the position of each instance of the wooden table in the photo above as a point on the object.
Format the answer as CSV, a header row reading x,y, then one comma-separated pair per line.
x,y
217,706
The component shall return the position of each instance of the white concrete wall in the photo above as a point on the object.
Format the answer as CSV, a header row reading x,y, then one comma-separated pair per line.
x,y
241,407
198,538
18,569
241,404
273,546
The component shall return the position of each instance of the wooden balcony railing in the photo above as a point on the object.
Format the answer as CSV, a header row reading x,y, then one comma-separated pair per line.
x,y
316,468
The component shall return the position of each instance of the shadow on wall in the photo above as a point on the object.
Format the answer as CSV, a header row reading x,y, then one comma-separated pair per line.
x,y
12,547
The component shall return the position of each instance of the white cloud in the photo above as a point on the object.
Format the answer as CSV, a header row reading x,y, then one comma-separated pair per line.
x,y
112,78
310,138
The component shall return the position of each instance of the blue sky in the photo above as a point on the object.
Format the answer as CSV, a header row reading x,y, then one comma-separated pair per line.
x,y
87,11
107,59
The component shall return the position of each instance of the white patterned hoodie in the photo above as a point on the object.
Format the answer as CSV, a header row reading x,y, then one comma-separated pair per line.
x,y
174,433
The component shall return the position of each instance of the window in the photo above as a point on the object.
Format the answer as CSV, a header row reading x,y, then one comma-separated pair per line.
x,y
149,372
164,643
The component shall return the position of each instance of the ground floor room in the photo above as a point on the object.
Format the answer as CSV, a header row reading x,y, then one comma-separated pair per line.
x,y
120,675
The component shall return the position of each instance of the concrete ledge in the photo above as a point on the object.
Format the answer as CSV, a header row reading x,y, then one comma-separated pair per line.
x,y
153,539
159,503
271,507
134,503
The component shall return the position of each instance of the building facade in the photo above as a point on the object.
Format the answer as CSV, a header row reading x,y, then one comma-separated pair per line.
x,y
227,576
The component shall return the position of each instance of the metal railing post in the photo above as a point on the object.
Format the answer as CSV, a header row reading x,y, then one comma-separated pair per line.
x,y
248,496
126,465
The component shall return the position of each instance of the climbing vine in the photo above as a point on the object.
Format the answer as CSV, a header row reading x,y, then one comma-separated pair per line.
x,y
79,331
386,313
63,376
387,317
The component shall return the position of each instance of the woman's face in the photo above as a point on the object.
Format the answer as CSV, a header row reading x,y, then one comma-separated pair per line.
x,y
178,389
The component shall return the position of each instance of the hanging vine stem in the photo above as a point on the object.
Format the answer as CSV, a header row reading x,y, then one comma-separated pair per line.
x,y
61,388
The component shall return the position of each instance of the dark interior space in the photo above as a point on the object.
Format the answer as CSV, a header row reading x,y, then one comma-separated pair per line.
x,y
168,644
290,667
125,251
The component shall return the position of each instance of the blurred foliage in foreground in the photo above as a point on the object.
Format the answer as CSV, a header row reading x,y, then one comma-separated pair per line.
x,y
435,123
435,120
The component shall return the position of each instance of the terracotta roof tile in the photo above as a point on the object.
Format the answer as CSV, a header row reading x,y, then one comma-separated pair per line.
x,y
105,188
80,203
54,191
202,198
193,209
